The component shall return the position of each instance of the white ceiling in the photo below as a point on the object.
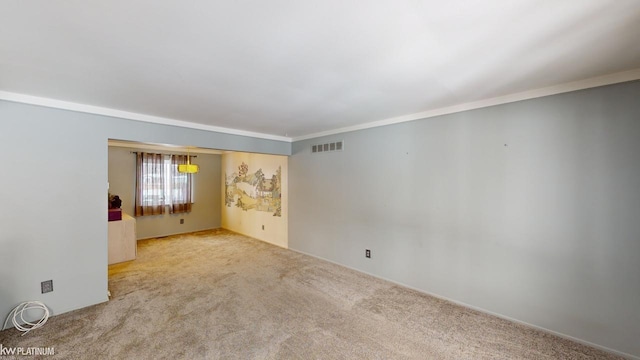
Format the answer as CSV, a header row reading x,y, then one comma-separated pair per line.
x,y
294,68
164,147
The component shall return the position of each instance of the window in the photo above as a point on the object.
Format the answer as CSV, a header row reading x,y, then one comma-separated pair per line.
x,y
159,184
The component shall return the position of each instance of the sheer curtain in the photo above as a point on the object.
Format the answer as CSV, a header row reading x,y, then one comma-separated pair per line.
x,y
181,186
150,177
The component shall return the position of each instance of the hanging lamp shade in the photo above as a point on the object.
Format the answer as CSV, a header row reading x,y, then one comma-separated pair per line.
x,y
188,168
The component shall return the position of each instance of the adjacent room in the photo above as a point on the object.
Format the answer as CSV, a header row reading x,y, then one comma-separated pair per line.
x,y
321,179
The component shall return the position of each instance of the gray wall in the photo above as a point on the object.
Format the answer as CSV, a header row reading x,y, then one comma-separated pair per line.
x,y
205,213
54,209
530,210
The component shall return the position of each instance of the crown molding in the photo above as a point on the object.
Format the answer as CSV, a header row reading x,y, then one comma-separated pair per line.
x,y
604,80
90,109
610,79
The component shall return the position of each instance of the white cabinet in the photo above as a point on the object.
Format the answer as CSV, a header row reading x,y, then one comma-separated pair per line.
x,y
122,239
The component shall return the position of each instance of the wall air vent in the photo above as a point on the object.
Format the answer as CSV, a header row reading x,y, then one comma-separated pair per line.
x,y
328,147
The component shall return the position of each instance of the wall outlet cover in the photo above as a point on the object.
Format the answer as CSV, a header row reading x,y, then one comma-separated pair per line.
x,y
46,286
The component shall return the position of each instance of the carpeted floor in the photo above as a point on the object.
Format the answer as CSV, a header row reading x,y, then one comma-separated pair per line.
x,y
219,295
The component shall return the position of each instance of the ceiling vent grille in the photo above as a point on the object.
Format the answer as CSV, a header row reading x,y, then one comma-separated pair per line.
x,y
328,147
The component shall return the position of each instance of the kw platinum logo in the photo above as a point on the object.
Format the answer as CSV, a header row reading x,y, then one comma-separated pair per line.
x,y
26,351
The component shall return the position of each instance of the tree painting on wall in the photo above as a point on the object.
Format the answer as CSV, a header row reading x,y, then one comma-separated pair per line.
x,y
254,191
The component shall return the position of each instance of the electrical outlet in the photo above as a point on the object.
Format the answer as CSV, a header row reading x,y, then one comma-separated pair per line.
x,y
181,221
46,286
367,253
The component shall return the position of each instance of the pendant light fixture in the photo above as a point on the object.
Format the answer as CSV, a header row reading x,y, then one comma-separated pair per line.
x,y
188,168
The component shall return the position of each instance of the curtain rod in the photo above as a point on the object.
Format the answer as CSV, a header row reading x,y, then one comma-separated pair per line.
x,y
161,153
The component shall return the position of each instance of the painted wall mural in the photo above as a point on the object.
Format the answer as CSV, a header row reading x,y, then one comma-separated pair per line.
x,y
254,191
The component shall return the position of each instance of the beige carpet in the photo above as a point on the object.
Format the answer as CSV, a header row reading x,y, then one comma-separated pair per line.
x,y
220,295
